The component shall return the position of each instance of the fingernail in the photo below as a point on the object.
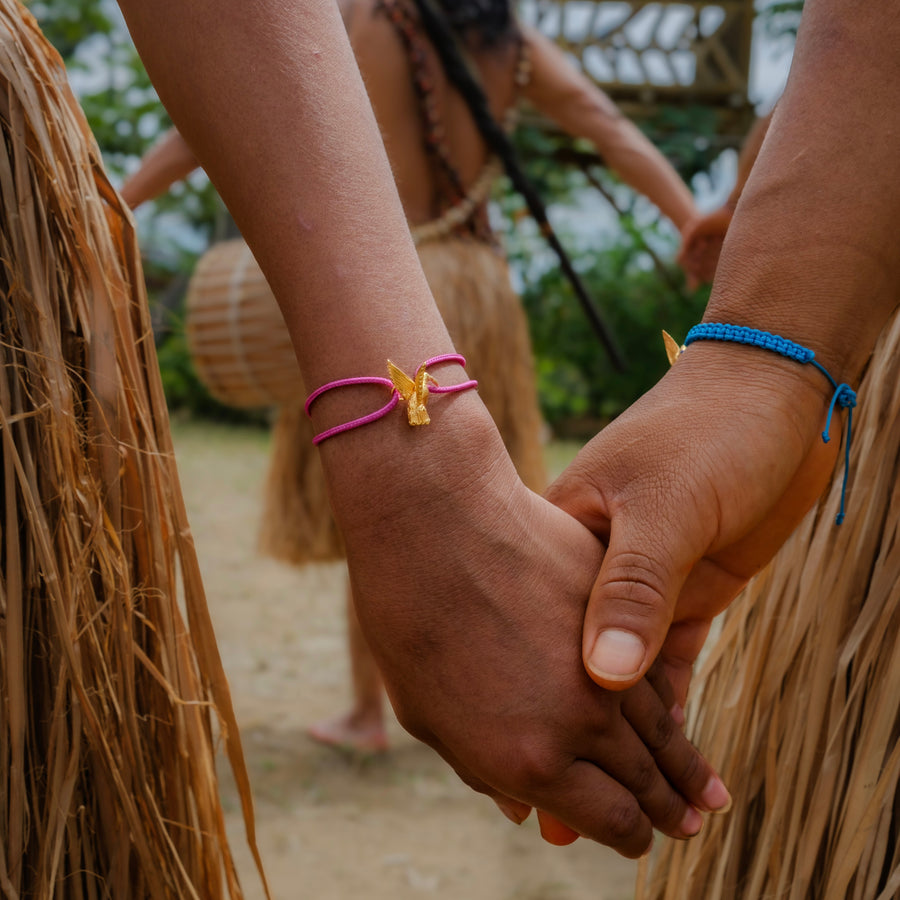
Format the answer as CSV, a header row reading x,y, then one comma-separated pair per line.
x,y
715,795
513,815
691,823
677,714
617,655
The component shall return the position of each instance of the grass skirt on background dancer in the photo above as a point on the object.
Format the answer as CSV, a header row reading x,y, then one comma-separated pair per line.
x,y
109,700
470,283
798,703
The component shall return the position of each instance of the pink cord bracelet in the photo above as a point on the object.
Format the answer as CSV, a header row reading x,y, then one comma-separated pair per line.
x,y
414,390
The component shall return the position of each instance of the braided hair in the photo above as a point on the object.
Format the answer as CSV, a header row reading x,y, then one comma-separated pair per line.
x,y
442,21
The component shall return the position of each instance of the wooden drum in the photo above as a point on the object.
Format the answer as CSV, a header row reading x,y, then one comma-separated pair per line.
x,y
236,334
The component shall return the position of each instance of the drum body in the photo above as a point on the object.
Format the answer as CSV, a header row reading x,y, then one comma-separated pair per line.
x,y
236,334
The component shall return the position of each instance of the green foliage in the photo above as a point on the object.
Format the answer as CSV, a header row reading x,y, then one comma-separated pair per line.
x,y
576,380
114,90
686,136
67,24
626,261
539,151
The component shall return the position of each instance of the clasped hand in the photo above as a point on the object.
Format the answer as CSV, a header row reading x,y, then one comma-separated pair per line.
x,y
471,591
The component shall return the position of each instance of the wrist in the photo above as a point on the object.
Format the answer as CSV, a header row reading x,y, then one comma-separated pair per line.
x,y
760,387
388,472
684,215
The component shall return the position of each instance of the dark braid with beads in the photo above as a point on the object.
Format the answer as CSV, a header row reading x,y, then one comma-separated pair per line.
x,y
446,22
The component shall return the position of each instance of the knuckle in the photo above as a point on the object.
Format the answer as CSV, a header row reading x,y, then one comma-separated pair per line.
x,y
662,732
625,824
644,776
637,579
534,766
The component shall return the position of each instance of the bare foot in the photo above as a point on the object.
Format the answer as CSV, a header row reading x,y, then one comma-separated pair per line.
x,y
352,732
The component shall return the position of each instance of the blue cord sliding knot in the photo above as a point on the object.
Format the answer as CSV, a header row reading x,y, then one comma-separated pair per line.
x,y
843,396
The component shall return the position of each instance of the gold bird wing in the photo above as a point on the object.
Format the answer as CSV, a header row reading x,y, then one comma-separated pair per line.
x,y
673,349
401,381
414,392
422,379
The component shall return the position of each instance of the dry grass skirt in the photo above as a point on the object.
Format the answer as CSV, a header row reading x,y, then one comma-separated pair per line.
x,y
470,283
112,693
798,704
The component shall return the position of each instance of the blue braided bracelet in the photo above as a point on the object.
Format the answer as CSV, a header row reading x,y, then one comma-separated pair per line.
x,y
843,395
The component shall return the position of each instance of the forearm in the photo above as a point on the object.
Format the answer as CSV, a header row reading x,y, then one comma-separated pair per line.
x,y
567,97
641,166
811,253
280,120
165,163
308,183
747,157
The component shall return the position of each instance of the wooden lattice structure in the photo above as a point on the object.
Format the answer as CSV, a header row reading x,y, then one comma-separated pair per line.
x,y
650,55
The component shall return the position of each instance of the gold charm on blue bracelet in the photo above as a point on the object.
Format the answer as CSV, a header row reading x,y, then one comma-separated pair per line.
x,y
673,349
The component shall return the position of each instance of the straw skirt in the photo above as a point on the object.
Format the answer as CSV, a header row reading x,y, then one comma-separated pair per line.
x,y
798,705
109,698
470,283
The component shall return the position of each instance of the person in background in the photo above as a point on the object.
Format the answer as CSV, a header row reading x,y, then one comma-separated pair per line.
x,y
168,161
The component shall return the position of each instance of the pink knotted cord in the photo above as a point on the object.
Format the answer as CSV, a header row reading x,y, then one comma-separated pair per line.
x,y
395,394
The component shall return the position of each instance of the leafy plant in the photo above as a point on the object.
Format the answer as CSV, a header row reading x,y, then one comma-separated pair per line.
x,y
576,380
625,257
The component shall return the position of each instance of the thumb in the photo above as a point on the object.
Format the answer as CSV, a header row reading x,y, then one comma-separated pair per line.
x,y
631,604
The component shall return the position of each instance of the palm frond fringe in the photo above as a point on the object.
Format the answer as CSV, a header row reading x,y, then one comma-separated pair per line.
x,y
112,693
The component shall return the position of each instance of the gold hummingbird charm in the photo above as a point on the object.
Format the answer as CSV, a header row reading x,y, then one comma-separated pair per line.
x,y
673,350
415,393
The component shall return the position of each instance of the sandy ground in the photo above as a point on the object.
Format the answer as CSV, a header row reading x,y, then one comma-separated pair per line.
x,y
401,827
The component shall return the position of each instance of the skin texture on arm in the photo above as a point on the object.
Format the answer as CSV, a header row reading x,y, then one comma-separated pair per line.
x,y
452,561
701,481
168,161
567,97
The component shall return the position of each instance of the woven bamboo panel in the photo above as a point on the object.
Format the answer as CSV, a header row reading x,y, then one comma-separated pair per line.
x,y
645,54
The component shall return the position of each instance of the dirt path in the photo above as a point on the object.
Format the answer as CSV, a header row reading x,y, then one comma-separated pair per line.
x,y
398,828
